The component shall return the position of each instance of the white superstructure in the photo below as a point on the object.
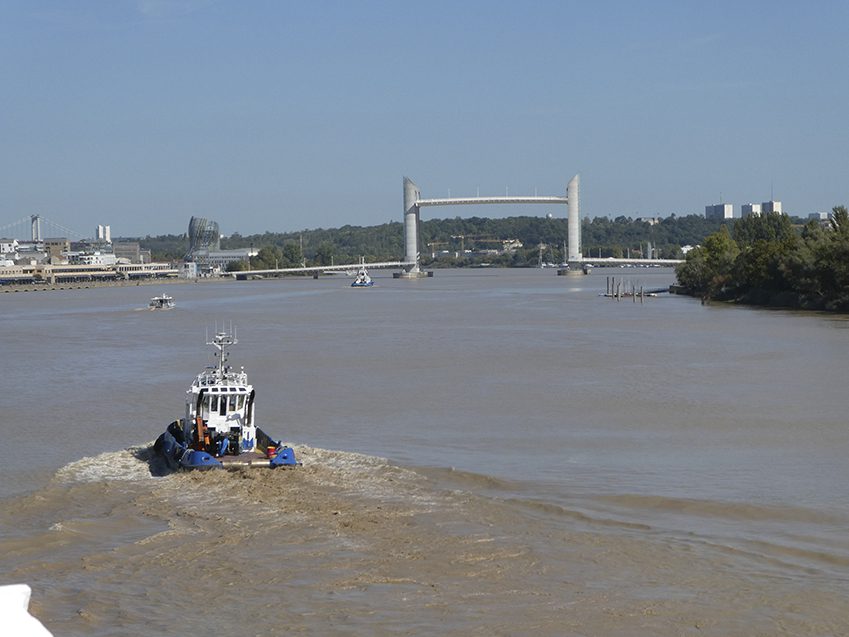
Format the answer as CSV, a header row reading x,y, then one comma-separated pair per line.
x,y
220,401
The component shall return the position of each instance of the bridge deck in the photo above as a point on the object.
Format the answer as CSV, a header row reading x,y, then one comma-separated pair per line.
x,y
460,201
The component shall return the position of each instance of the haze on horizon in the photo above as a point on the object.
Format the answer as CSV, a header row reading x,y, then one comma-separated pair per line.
x,y
275,116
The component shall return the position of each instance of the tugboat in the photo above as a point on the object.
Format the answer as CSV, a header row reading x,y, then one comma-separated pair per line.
x,y
219,429
163,302
363,280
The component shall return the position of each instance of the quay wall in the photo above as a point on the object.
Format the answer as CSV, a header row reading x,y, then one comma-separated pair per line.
x,y
81,285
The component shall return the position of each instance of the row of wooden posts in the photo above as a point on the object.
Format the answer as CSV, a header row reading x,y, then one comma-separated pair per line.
x,y
618,289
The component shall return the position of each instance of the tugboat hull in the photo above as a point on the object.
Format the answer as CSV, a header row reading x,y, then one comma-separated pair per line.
x,y
177,454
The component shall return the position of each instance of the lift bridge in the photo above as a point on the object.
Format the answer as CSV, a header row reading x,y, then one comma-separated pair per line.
x,y
414,202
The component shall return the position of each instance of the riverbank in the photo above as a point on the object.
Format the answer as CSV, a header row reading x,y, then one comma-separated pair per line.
x,y
84,285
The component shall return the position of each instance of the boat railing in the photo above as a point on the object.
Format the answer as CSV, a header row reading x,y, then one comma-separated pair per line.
x,y
209,378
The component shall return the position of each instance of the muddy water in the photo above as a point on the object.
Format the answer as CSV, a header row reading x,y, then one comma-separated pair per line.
x,y
491,452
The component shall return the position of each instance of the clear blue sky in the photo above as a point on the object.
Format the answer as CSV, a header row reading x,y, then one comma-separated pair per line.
x,y
279,116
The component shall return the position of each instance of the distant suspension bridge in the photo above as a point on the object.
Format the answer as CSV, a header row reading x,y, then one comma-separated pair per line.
x,y
37,228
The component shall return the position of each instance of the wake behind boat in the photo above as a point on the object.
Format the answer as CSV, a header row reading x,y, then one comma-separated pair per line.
x,y
219,428
162,302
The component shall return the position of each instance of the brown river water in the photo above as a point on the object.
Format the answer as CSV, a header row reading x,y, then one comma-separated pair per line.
x,y
486,452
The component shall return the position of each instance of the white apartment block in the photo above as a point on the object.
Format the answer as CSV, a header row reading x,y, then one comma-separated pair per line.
x,y
771,206
822,217
750,210
104,233
719,211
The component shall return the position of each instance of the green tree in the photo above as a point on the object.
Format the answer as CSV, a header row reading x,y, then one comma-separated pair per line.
x,y
833,262
763,270
268,258
324,253
708,269
237,266
291,255
771,227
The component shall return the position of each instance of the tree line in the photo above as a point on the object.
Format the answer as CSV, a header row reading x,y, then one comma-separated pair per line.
x,y
767,260
449,239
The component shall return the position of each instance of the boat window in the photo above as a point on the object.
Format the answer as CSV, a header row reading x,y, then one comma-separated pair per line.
x,y
222,406
233,402
213,403
204,408
241,402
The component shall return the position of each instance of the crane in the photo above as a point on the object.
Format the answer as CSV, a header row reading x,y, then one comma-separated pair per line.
x,y
474,238
433,244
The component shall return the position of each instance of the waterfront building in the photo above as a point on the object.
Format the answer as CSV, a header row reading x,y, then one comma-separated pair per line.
x,y
29,252
203,236
208,259
188,270
8,246
92,258
57,248
128,250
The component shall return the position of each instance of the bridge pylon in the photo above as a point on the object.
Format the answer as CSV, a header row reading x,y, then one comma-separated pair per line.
x,y
412,196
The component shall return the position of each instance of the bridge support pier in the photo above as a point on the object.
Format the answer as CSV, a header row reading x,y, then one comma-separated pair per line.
x,y
573,226
574,269
574,257
419,274
412,270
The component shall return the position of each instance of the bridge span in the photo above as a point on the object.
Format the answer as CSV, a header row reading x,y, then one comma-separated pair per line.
x,y
463,201
318,269
601,261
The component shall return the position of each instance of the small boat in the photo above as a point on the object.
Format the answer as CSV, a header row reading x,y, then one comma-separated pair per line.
x,y
162,302
219,428
363,280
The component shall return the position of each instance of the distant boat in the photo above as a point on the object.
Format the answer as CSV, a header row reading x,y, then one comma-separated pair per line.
x,y
363,280
162,302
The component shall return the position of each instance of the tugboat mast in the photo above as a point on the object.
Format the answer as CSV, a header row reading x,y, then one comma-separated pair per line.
x,y
221,341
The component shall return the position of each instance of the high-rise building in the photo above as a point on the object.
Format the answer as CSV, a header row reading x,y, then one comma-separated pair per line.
x,y
719,211
750,210
771,206
104,233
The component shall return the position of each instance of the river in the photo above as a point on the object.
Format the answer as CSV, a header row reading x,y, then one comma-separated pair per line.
x,y
490,451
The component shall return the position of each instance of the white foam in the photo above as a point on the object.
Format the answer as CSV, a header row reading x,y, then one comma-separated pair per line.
x,y
111,465
370,476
